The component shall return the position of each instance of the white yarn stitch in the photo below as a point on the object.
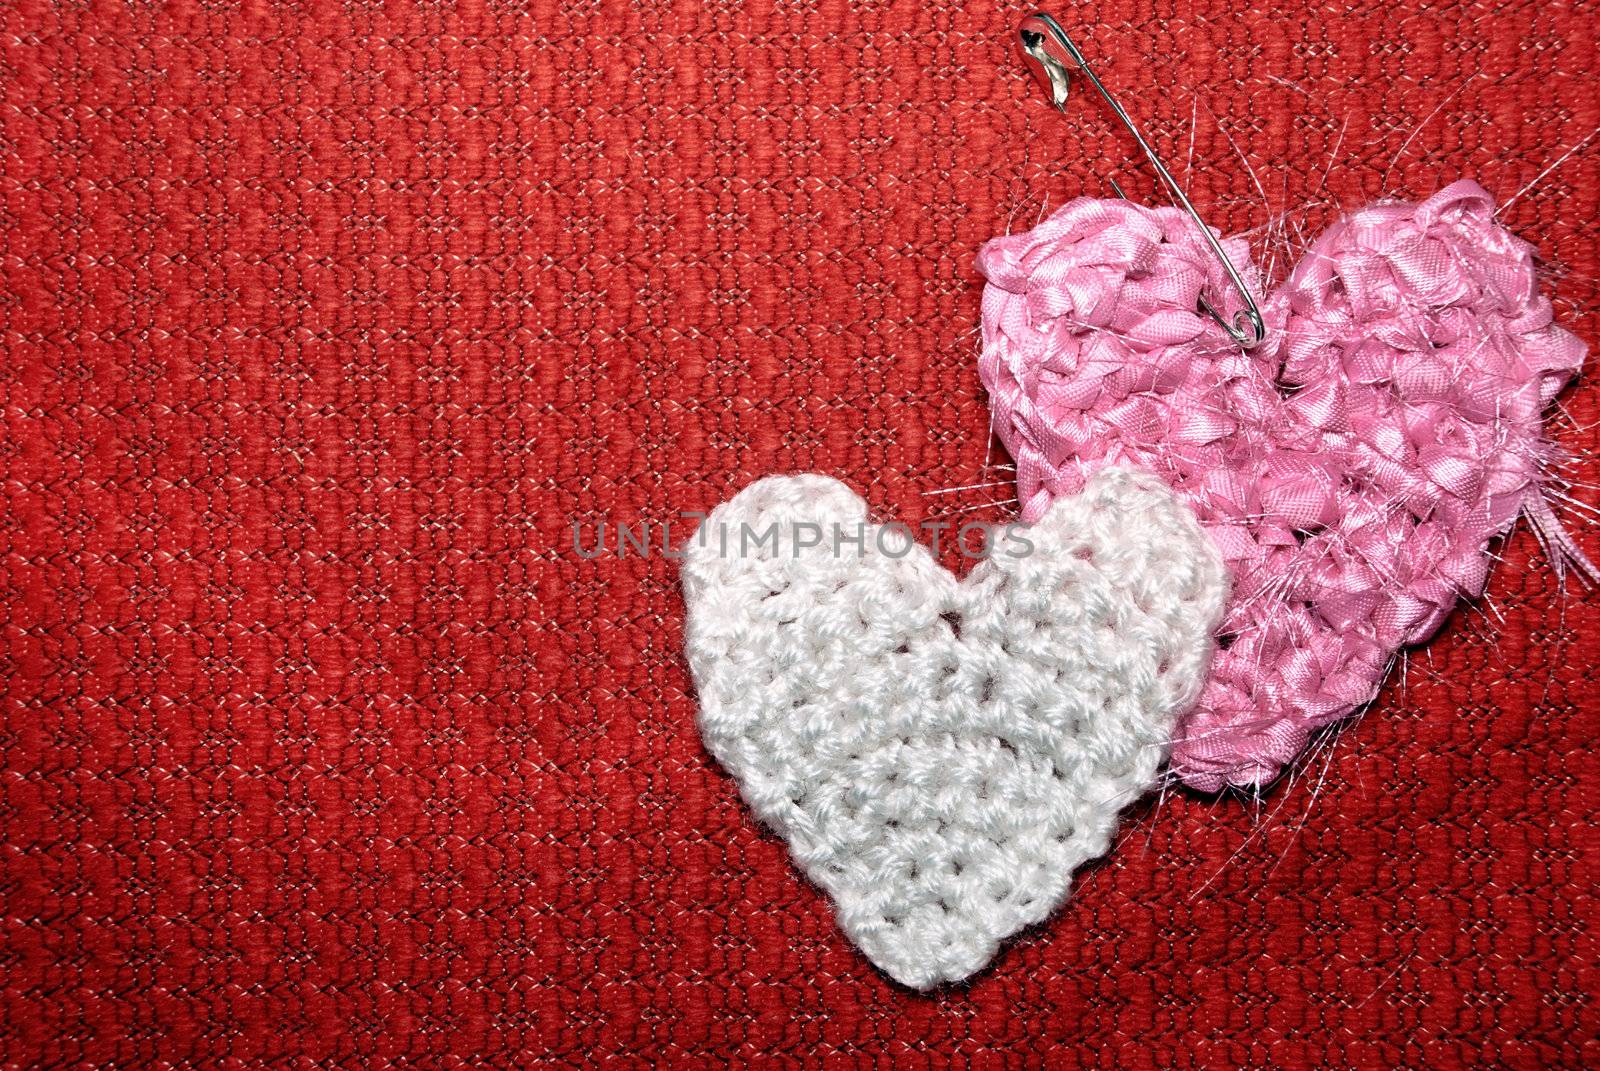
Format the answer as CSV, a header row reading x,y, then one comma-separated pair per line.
x,y
940,755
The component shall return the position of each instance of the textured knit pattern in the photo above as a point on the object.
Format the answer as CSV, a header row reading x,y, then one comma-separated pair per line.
x,y
320,324
940,755
1353,468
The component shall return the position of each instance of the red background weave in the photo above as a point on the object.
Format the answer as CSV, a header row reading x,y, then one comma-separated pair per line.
x,y
320,324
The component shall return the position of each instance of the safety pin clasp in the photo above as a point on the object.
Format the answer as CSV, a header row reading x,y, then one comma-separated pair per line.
x,y
1051,55
1046,57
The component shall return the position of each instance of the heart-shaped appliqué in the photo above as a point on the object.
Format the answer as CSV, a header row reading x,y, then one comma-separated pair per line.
x,y
941,754
1352,468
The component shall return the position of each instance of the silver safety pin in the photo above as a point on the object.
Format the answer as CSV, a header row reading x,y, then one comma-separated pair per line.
x,y
1049,49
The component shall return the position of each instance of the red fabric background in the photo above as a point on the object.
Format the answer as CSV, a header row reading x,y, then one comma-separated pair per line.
x,y
323,321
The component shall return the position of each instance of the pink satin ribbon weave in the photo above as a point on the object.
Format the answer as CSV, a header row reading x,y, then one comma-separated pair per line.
x,y
1352,468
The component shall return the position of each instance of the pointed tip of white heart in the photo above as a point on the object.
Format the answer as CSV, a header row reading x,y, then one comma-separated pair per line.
x,y
927,953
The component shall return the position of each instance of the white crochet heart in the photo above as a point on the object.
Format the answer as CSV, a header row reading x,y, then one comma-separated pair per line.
x,y
940,755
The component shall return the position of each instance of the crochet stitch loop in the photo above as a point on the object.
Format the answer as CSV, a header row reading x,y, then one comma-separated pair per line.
x,y
940,755
1352,469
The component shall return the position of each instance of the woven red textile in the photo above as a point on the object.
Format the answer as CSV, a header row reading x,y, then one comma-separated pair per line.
x,y
322,323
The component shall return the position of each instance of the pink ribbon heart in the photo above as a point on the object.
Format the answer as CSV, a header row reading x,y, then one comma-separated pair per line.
x,y
1352,468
